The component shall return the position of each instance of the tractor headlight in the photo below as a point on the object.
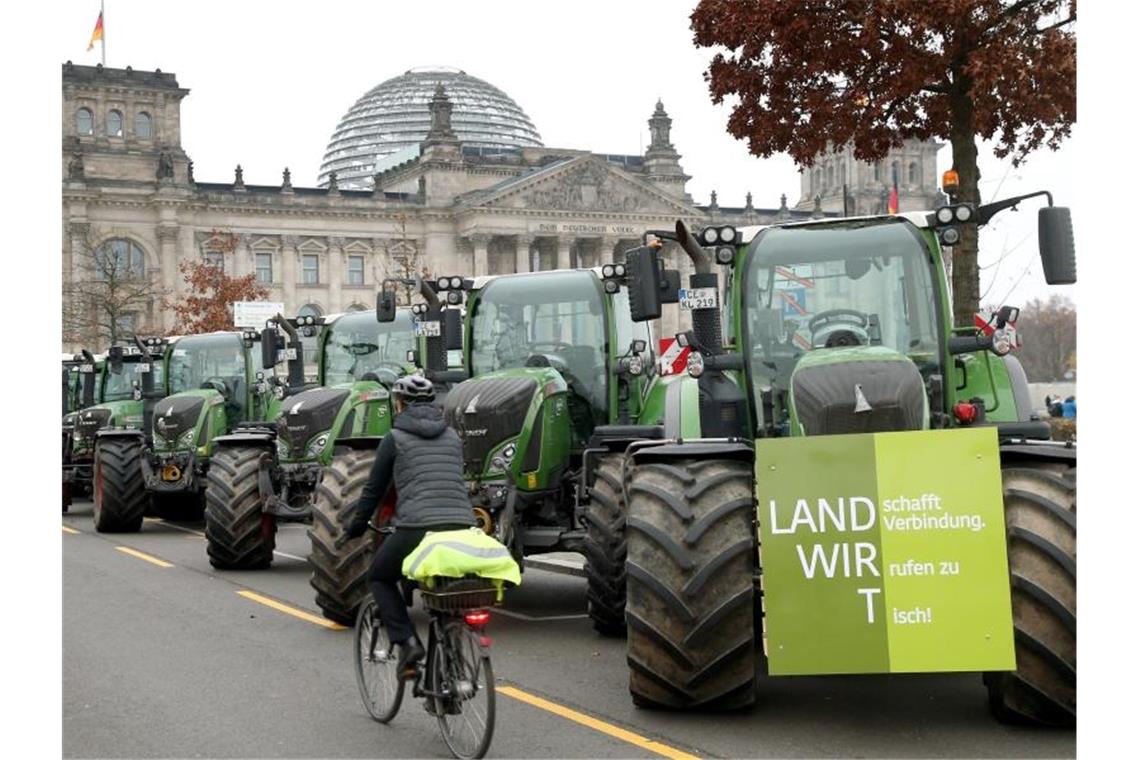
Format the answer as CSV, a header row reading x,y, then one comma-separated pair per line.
x,y
963,213
728,234
709,235
696,364
502,460
443,283
944,215
724,255
187,439
457,282
317,445
949,236
608,270
282,449
454,297
611,286
635,366
1002,344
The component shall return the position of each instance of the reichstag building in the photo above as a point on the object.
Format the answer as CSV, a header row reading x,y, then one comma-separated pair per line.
x,y
432,171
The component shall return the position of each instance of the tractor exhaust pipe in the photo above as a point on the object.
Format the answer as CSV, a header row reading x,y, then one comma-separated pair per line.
x,y
706,322
297,364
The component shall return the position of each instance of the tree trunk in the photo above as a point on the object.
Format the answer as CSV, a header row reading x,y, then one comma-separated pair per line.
x,y
964,277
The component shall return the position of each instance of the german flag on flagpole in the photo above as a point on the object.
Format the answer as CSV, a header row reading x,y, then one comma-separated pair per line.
x,y
97,35
893,198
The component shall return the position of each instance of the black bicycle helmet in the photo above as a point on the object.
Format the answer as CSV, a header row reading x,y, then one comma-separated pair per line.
x,y
413,388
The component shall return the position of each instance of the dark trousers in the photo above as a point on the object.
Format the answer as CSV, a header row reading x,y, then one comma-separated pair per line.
x,y
385,574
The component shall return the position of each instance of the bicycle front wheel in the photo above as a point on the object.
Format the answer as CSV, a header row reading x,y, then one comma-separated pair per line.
x,y
380,687
461,672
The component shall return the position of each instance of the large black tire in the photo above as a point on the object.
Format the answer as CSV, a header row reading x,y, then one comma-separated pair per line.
x,y
692,555
238,535
1041,531
178,507
118,491
340,574
605,548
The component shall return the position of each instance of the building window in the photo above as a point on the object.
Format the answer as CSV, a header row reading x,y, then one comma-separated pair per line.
x,y
310,269
114,124
142,125
355,270
912,176
125,324
215,258
894,172
263,263
830,177
878,173
84,121
119,259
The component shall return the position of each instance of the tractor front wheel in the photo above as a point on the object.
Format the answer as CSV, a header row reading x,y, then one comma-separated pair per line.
x,y
1041,534
238,535
340,574
605,548
118,493
689,608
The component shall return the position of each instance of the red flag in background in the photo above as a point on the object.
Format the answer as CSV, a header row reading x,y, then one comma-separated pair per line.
x,y
96,35
893,198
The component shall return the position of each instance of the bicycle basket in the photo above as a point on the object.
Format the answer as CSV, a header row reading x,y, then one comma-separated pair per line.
x,y
458,594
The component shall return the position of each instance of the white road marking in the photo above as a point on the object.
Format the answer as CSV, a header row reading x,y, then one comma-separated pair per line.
x,y
535,618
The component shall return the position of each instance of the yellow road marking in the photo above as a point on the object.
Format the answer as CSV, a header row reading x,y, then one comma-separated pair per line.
x,y
144,557
69,530
301,614
598,725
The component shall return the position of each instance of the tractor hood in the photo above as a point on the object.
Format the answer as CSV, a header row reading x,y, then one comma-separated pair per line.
x,y
492,409
861,389
306,415
175,417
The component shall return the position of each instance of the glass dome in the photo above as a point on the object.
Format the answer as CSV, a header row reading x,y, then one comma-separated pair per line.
x,y
389,121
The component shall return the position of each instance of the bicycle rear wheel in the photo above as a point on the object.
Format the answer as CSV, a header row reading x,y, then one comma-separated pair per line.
x,y
461,669
380,689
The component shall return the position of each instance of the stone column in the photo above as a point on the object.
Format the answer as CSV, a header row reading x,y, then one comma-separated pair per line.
x,y
479,243
522,254
564,243
336,268
607,254
167,234
243,257
290,259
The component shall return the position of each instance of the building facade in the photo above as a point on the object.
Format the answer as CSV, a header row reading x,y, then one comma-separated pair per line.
x,y
436,206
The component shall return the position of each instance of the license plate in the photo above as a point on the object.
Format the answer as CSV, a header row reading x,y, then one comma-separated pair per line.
x,y
697,298
427,329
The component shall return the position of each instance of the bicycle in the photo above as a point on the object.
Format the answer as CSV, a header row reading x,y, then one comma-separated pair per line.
x,y
455,677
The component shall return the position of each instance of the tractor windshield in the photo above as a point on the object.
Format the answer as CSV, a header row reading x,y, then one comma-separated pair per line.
x,y
549,319
216,361
827,286
357,345
118,387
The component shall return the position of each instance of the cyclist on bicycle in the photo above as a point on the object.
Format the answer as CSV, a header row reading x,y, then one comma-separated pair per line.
x,y
423,458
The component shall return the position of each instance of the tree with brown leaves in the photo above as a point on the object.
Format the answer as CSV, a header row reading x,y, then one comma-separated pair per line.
x,y
813,75
208,304
1048,331
110,293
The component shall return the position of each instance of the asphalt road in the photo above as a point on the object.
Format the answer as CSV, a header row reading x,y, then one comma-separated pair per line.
x,y
172,660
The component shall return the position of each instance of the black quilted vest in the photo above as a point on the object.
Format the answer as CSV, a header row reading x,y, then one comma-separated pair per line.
x,y
428,472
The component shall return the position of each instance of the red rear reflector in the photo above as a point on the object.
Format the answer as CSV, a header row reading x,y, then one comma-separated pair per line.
x,y
965,412
479,617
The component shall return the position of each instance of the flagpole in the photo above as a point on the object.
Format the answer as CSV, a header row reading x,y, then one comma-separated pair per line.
x,y
103,37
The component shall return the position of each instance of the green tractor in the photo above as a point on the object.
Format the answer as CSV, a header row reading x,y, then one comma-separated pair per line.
x,y
839,327
212,386
80,372
559,376
292,465
108,388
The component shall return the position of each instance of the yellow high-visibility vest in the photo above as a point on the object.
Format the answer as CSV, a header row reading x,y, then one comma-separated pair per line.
x,y
458,553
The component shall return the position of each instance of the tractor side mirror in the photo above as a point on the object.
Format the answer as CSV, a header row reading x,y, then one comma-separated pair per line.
x,y
1055,240
453,328
670,286
268,348
385,306
644,281
115,359
1005,315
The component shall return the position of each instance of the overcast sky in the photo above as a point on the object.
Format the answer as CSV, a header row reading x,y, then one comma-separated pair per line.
x,y
269,82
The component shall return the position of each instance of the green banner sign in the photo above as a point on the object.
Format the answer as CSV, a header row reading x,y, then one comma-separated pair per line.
x,y
884,553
